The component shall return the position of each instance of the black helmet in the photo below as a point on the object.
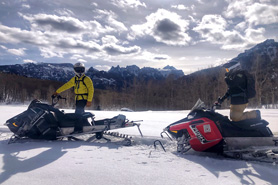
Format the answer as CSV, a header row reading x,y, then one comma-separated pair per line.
x,y
232,65
79,69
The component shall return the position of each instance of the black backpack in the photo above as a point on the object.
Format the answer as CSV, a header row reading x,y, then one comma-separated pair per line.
x,y
77,87
78,81
251,86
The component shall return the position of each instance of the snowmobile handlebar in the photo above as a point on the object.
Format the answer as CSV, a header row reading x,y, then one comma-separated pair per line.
x,y
136,121
56,99
216,106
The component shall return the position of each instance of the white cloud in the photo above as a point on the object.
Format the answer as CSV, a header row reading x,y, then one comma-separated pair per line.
x,y
214,29
76,57
64,12
18,52
94,4
113,49
119,26
29,61
212,23
3,47
261,14
241,26
46,22
16,35
184,58
237,7
82,60
70,45
128,3
255,13
220,61
26,6
109,39
69,26
102,67
164,26
180,7
153,57
110,19
56,36
255,35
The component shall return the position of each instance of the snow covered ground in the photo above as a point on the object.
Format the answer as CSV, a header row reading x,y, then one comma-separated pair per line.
x,y
74,163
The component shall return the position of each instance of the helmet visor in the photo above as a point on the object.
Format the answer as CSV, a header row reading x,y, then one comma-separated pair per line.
x,y
79,69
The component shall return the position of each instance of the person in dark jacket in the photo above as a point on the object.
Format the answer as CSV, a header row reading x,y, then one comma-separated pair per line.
x,y
237,82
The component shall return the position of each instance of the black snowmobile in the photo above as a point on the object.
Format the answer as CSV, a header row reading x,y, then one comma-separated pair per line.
x,y
205,130
43,121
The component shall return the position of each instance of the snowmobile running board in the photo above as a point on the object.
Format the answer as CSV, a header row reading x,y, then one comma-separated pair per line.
x,y
234,143
263,149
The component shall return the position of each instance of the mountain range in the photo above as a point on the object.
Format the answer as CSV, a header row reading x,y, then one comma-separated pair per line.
x,y
116,77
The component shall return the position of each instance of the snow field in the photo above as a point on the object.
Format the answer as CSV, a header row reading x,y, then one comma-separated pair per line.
x,y
102,163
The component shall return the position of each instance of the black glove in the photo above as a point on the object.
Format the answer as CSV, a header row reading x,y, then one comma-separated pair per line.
x,y
220,100
54,95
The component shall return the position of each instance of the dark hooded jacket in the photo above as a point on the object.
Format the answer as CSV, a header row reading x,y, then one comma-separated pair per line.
x,y
237,86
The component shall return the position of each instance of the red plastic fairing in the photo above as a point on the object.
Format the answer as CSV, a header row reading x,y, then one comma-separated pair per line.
x,y
203,132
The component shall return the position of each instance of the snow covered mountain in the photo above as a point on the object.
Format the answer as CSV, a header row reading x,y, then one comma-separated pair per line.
x,y
170,70
115,77
57,72
265,53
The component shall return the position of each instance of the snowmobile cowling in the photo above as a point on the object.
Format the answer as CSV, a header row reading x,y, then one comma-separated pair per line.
x,y
203,133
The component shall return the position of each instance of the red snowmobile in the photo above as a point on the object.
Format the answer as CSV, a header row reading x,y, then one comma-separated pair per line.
x,y
205,130
43,121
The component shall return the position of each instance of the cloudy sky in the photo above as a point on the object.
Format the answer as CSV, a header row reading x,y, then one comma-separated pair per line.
x,y
187,34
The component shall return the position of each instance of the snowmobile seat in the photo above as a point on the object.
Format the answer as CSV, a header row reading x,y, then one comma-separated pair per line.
x,y
246,128
115,122
72,119
250,124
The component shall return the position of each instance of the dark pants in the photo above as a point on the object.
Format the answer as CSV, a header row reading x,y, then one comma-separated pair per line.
x,y
80,106
79,109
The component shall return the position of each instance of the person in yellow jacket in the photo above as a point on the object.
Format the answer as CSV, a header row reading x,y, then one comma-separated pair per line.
x,y
83,88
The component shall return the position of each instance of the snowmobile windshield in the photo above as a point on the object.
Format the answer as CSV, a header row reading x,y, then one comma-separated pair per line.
x,y
199,105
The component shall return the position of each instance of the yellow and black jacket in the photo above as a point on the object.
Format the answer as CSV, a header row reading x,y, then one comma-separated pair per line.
x,y
83,88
